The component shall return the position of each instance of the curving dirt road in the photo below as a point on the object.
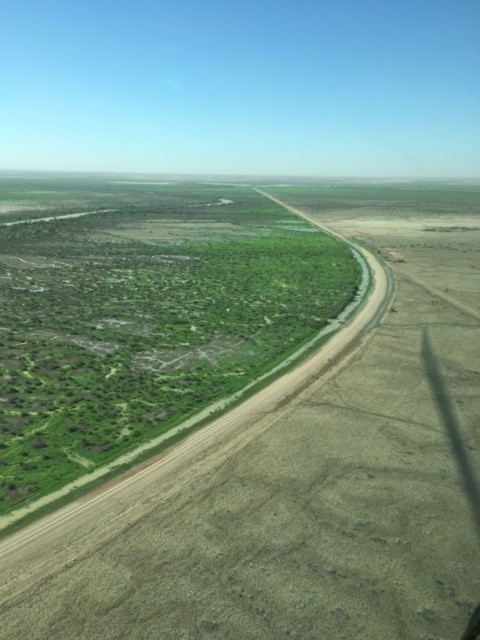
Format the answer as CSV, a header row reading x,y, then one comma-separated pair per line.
x,y
45,532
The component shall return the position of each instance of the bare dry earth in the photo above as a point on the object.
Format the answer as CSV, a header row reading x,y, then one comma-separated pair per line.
x,y
346,518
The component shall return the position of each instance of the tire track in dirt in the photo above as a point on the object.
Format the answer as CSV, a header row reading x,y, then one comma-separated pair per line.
x,y
438,294
375,414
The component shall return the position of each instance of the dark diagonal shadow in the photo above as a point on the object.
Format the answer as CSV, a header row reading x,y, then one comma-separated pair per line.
x,y
473,629
447,414
469,482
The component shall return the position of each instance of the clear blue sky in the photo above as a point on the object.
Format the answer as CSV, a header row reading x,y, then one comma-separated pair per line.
x,y
297,87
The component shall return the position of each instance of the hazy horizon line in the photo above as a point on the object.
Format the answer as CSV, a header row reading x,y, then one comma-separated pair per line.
x,y
181,175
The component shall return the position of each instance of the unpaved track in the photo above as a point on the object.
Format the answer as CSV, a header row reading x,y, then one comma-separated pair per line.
x,y
468,311
50,218
46,531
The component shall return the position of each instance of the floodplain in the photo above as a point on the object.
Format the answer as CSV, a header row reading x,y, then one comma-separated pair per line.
x,y
346,512
134,306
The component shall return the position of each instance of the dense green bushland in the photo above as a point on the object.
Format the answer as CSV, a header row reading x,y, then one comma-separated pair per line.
x,y
106,344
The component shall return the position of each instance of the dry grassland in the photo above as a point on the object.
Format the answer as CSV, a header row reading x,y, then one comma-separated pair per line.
x,y
167,231
346,518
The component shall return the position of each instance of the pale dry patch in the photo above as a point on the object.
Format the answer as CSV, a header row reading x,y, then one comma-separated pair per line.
x,y
168,230
98,347
31,262
13,207
78,459
159,360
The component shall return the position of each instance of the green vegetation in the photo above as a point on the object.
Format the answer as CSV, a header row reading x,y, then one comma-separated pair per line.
x,y
416,196
117,325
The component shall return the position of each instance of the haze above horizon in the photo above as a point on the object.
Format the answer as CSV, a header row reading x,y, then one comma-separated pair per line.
x,y
333,88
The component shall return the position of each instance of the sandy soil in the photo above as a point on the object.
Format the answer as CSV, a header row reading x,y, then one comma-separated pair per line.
x,y
343,513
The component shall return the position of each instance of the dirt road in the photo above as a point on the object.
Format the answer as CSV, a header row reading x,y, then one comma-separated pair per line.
x,y
50,218
46,531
